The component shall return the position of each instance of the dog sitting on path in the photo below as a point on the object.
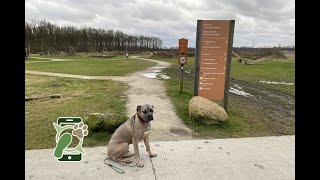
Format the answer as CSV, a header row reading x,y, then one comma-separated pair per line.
x,y
132,132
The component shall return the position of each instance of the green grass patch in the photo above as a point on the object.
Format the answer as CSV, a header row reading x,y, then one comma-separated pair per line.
x,y
242,120
92,66
79,99
268,70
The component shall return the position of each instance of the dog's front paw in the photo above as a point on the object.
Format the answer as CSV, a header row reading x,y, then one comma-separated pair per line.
x,y
153,154
128,161
140,163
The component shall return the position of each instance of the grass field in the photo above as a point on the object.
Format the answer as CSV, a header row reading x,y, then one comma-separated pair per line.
x,y
241,117
91,66
269,70
79,99
82,97
272,70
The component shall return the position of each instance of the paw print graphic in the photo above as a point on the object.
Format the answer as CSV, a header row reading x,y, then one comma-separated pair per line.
x,y
80,130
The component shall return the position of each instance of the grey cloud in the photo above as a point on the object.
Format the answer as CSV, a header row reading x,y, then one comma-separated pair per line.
x,y
269,22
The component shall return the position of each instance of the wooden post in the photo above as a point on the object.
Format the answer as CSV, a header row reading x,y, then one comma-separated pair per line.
x,y
228,67
181,78
197,61
182,58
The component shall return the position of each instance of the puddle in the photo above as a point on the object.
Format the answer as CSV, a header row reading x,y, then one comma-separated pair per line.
x,y
239,92
273,82
150,75
163,76
236,86
156,73
158,67
188,71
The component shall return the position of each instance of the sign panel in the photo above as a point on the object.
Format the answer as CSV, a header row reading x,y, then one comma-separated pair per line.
x,y
182,59
183,46
214,47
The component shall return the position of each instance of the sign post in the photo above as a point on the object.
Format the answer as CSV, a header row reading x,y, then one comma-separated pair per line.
x,y
181,78
213,59
182,58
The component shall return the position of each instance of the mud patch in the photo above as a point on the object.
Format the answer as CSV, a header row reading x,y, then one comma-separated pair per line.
x,y
179,131
277,107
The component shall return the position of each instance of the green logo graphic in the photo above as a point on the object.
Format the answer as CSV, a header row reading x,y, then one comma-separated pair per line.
x,y
64,138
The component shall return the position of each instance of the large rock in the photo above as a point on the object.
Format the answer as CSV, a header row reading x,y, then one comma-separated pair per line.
x,y
105,122
204,110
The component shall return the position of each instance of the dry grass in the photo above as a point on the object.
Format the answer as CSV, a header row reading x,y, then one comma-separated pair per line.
x,y
79,99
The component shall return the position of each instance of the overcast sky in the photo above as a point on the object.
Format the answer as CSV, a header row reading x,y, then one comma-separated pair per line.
x,y
262,22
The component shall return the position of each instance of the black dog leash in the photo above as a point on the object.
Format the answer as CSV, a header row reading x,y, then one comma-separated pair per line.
x,y
118,170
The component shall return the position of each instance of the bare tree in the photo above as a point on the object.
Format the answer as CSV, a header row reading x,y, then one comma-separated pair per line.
x,y
43,36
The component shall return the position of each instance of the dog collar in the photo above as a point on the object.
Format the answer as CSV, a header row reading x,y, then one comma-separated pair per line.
x,y
142,121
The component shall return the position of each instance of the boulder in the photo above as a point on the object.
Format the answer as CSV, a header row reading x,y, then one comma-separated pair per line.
x,y
204,110
105,122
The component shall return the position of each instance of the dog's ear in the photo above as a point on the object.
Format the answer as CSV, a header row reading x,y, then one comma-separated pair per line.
x,y
138,108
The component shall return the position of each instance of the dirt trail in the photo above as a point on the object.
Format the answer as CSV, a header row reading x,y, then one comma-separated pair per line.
x,y
167,126
49,60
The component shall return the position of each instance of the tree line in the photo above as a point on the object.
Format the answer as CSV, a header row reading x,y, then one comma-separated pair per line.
x,y
43,36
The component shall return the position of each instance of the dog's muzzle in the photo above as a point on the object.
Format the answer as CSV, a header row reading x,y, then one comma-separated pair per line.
x,y
150,117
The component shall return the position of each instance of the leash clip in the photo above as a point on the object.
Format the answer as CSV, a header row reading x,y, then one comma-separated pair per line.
x,y
118,170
